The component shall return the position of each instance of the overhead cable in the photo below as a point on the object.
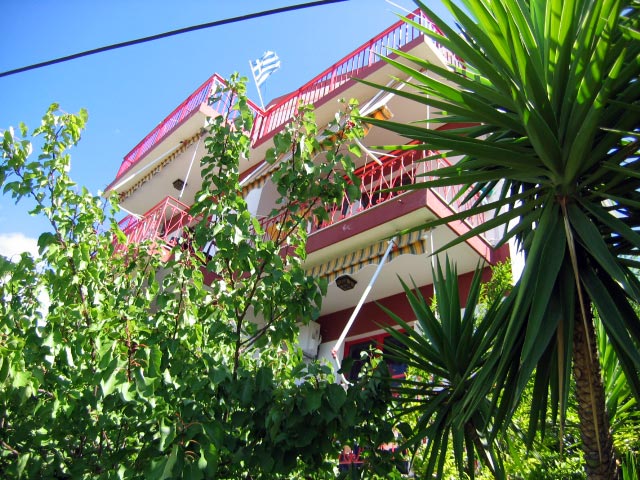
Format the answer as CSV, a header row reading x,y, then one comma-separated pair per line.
x,y
169,34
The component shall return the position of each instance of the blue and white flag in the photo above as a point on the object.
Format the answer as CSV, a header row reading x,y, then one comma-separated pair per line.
x,y
264,66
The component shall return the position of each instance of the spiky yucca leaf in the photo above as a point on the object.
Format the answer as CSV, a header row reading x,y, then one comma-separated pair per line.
x,y
449,348
552,87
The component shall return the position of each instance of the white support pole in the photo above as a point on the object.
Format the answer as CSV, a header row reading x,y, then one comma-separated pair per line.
x,y
345,331
399,6
186,178
368,152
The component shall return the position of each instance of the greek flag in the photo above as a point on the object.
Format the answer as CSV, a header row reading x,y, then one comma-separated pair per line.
x,y
264,66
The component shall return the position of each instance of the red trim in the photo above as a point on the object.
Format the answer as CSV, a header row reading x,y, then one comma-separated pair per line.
x,y
348,458
378,339
366,220
479,244
250,170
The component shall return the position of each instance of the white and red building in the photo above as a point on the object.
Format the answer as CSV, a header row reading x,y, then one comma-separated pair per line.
x,y
158,179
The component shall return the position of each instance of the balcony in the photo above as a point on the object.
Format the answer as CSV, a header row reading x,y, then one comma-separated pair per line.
x,y
353,65
164,223
163,226
204,95
399,168
267,123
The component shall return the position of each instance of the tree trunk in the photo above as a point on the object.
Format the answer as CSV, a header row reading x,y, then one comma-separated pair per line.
x,y
597,443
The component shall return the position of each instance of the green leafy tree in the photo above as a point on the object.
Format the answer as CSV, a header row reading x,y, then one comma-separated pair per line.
x,y
134,367
550,89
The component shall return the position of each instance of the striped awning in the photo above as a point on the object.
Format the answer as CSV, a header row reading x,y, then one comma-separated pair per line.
x,y
257,182
185,144
408,244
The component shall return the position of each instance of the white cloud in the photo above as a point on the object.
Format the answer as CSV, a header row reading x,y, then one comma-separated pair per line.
x,y
13,244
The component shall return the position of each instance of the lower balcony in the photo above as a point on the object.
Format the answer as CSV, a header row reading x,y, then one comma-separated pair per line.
x,y
384,206
381,184
164,226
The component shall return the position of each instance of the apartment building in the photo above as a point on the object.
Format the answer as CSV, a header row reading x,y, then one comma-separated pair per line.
x,y
158,179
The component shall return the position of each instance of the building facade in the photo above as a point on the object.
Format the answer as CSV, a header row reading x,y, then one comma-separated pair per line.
x,y
158,179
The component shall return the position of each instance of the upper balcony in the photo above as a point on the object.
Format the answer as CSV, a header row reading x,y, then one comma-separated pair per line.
x,y
355,65
201,101
189,118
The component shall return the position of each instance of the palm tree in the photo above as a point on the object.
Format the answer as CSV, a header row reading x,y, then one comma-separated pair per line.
x,y
446,351
552,89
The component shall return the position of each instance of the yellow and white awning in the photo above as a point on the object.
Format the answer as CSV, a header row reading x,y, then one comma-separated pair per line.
x,y
409,244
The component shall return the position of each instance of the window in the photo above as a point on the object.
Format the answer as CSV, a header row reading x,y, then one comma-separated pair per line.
x,y
396,369
353,350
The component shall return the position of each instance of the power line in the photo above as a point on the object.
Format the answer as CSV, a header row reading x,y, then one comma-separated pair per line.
x,y
169,34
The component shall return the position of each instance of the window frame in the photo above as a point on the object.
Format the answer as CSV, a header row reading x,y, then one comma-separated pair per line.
x,y
378,339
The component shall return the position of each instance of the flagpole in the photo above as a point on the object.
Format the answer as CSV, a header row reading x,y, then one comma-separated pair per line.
x,y
257,86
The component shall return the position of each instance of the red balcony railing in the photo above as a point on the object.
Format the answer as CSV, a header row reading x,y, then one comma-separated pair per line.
x,y
266,124
376,180
163,224
202,95
397,169
273,226
395,37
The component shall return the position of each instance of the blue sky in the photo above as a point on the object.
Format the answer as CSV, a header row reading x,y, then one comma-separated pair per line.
x,y
128,91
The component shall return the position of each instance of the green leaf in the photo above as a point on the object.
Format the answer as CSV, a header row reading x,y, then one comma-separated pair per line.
x,y
69,357
44,240
4,369
167,434
336,396
312,400
125,392
355,150
144,385
163,468
155,361
21,379
23,460
109,379
211,455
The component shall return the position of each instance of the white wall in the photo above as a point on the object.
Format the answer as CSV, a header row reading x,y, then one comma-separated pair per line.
x,y
253,200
